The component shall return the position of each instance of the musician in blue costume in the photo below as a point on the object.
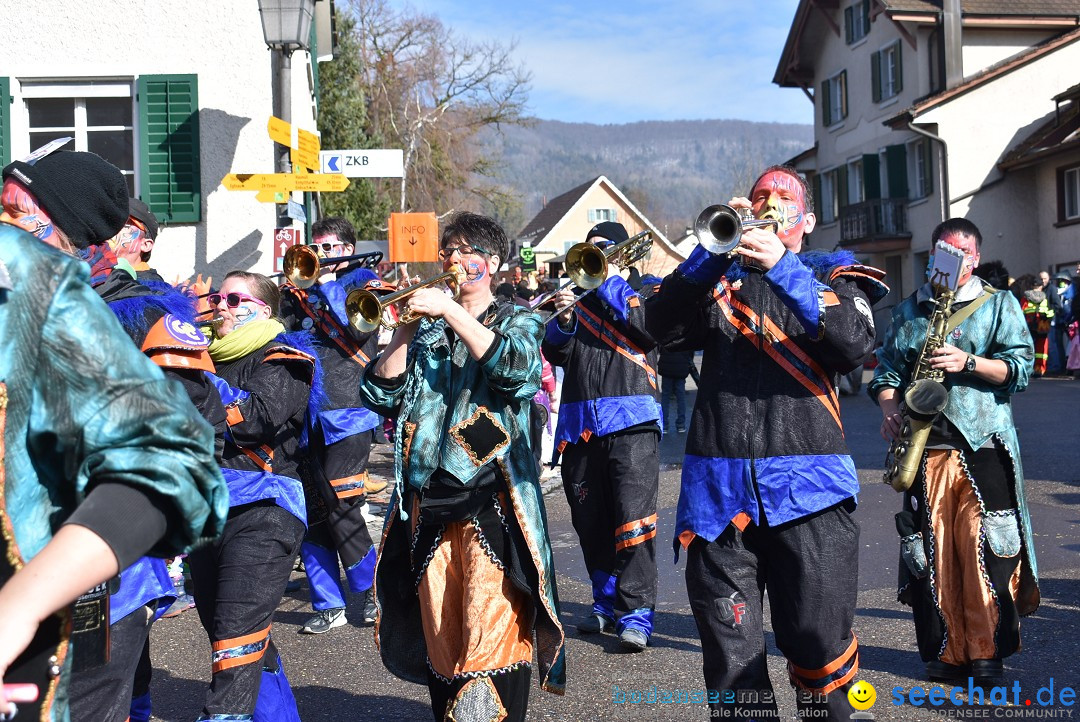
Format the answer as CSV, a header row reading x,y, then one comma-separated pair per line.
x,y
144,462
340,437
162,323
609,437
465,575
768,486
269,382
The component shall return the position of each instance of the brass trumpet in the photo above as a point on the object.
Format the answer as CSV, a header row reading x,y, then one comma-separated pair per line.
x,y
365,308
301,264
719,227
587,265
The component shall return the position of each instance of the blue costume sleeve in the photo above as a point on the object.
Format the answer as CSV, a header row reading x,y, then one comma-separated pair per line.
x,y
800,291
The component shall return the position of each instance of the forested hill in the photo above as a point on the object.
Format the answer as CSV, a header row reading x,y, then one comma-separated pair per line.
x,y
669,169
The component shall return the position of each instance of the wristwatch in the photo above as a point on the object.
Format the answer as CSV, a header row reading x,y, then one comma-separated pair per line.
x,y
969,365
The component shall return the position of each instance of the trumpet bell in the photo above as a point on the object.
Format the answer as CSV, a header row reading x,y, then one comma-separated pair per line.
x,y
586,265
364,310
718,229
300,266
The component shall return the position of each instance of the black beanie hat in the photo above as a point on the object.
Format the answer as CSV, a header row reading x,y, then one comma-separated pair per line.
x,y
84,195
142,213
610,230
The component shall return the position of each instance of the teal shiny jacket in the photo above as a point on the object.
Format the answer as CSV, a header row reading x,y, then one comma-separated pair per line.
x,y
458,414
979,410
85,406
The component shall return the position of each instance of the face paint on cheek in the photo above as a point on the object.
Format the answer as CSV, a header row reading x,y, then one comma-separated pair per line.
x,y
244,315
125,239
475,272
20,209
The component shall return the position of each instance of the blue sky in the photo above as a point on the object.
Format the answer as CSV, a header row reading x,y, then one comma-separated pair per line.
x,y
603,61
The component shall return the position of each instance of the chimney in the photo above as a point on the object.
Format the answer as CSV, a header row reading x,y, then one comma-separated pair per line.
x,y
952,43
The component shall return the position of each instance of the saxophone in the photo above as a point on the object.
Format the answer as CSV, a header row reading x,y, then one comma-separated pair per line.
x,y
924,399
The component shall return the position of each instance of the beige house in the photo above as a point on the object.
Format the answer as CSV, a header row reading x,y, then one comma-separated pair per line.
x,y
566,219
926,109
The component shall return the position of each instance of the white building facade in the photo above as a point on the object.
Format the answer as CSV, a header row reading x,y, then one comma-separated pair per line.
x,y
176,95
917,104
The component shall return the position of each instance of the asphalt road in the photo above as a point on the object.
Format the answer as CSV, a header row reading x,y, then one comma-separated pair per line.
x,y
339,676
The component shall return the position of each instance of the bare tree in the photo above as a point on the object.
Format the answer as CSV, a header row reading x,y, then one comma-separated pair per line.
x,y
429,92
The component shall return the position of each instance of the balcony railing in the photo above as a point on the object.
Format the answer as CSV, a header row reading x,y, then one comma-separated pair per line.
x,y
873,220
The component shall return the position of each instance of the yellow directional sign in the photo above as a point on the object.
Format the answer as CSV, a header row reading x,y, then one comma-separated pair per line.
x,y
280,131
282,182
320,182
304,158
308,142
271,197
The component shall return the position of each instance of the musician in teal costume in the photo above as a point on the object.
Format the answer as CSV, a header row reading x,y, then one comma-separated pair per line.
x,y
967,557
88,414
466,528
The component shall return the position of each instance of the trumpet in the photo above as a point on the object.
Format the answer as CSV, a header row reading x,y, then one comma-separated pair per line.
x,y
719,227
301,264
587,265
365,309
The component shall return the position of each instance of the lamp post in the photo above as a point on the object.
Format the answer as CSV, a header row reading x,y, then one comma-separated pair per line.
x,y
286,27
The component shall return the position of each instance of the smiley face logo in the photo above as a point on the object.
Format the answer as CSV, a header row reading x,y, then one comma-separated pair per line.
x,y
862,695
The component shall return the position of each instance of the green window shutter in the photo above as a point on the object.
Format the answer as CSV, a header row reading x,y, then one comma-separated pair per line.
x,y
866,17
169,147
896,170
875,76
871,176
313,53
899,68
843,94
815,187
849,24
5,121
826,104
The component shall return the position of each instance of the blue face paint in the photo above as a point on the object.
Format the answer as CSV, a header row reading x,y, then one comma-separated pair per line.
x,y
475,272
244,315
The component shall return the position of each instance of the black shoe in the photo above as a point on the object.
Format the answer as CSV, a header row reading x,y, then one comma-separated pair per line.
x,y
322,622
938,671
370,611
987,671
595,624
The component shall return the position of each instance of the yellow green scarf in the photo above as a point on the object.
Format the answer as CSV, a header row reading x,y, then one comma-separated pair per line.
x,y
244,340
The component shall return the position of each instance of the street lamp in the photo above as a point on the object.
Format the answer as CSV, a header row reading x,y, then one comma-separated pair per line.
x,y
286,27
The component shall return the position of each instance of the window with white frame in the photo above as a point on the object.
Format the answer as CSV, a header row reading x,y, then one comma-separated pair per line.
x,y
857,21
920,169
1069,194
99,115
886,72
828,204
599,215
834,99
856,191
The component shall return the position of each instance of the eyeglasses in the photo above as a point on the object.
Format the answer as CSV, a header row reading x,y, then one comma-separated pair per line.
x,y
447,253
233,299
327,247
